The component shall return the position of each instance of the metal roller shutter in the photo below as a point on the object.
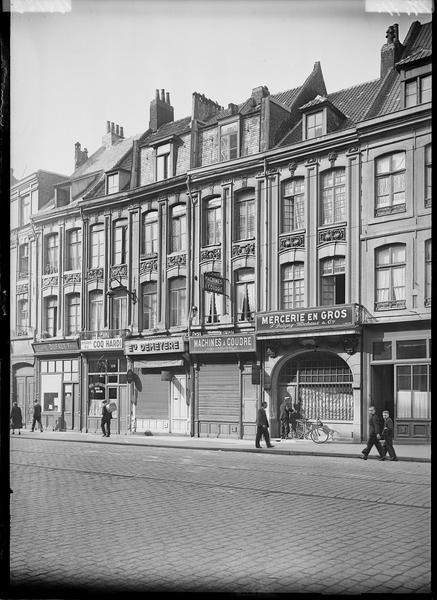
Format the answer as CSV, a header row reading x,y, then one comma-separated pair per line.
x,y
219,392
152,401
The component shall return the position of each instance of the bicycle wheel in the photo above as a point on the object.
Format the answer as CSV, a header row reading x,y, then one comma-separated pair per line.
x,y
299,430
319,435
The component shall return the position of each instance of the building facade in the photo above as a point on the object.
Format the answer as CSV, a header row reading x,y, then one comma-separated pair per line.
x,y
240,254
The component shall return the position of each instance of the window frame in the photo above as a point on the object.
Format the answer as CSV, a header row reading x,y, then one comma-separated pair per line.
x,y
177,301
25,209
337,259
212,206
113,188
243,278
391,207
338,199
97,233
76,256
419,90
22,317
150,244
51,318
178,228
318,128
229,151
119,241
245,199
295,299
152,313
119,310
23,260
95,298
296,208
51,251
391,303
163,162
72,318
428,176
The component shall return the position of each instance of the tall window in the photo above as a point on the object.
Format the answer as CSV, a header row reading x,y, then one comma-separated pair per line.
x,y
333,200
51,315
97,246
23,260
418,91
113,183
178,228
229,141
332,280
292,216
292,284
428,271
390,277
390,184
74,250
150,232
24,210
413,391
163,162
120,242
51,263
314,125
245,215
72,316
119,311
150,305
245,294
178,310
96,310
22,313
212,221
428,175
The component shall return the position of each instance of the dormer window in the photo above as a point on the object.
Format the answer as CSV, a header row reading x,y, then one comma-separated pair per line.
x,y
418,91
229,141
113,185
163,162
314,125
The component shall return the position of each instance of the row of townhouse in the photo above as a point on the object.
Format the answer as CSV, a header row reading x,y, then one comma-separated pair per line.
x,y
278,246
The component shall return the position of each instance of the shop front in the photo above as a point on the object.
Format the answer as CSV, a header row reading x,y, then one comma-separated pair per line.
x,y
314,356
105,378
58,375
398,368
226,385
159,390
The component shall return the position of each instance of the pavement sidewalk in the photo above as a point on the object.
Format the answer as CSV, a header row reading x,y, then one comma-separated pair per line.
x,y
405,452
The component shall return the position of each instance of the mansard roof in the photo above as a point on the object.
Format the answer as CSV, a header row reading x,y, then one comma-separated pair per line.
x,y
105,158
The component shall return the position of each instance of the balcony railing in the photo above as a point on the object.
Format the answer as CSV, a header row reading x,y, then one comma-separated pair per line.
x,y
103,334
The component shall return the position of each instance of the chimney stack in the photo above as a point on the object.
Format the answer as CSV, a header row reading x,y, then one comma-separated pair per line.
x,y
391,51
203,108
114,132
161,110
80,156
260,92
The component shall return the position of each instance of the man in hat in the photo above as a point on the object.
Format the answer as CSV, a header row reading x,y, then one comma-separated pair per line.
x,y
284,417
36,415
262,427
106,419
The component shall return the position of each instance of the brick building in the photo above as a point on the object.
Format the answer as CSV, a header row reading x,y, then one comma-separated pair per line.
x,y
273,246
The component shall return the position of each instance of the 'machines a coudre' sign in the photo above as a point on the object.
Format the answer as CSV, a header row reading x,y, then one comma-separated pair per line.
x,y
308,318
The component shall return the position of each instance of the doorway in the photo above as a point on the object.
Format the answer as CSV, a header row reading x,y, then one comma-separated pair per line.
x,y
179,410
382,393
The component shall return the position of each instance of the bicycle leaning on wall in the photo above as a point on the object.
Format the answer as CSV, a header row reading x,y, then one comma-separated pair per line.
x,y
313,430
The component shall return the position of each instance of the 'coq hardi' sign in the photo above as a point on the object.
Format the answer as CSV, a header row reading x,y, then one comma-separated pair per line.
x,y
310,318
102,344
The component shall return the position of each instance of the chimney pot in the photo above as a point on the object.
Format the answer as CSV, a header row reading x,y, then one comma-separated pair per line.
x,y
121,131
167,97
117,129
157,95
108,126
162,95
112,127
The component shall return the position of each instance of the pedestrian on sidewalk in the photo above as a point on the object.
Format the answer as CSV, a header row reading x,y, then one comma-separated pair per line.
x,y
106,420
36,415
16,418
388,434
284,416
262,427
374,435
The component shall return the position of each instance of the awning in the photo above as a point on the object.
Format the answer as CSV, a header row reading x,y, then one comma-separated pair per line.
x,y
158,364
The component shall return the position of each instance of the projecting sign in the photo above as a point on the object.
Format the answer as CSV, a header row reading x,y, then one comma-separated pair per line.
x,y
310,318
102,344
214,344
154,345
213,283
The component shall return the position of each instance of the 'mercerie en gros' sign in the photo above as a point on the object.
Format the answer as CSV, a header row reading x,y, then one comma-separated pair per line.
x,y
212,344
154,345
102,344
305,319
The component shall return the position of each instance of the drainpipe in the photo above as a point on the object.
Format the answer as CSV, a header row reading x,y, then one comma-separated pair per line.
x,y
190,301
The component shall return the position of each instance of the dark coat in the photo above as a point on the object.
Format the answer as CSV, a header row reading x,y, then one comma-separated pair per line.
x,y
106,414
37,410
374,424
261,418
16,418
388,429
284,412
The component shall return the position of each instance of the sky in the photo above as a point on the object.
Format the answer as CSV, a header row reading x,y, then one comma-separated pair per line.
x,y
71,72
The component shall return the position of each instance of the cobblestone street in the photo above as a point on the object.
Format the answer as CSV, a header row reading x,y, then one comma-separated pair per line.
x,y
117,519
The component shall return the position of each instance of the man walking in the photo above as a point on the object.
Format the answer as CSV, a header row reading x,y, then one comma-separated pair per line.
x,y
36,415
388,434
374,435
106,420
262,427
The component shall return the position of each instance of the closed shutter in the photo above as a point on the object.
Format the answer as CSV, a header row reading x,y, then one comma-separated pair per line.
x,y
152,400
219,392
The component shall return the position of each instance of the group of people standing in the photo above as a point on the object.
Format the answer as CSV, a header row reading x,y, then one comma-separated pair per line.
x,y
288,415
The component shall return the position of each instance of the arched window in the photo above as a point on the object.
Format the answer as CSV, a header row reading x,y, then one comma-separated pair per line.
x,y
178,242
74,255
390,264
150,304
292,209
332,280
96,310
50,315
245,219
333,197
119,253
244,294
390,184
22,314
150,232
178,295
212,221
72,314
97,246
292,285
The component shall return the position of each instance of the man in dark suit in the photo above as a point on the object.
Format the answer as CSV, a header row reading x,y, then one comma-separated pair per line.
x,y
374,435
284,417
36,415
262,427
106,420
388,434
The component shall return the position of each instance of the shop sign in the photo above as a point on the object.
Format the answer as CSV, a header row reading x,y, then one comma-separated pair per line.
x,y
213,283
52,347
214,344
102,344
154,345
311,318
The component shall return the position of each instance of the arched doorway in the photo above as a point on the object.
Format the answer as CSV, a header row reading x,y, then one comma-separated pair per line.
x,y
322,383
